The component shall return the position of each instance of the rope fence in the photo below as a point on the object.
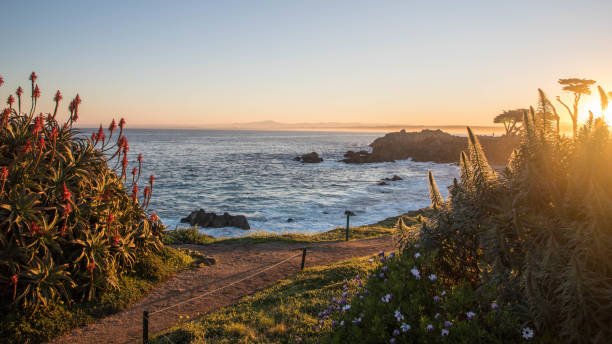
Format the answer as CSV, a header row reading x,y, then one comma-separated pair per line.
x,y
146,314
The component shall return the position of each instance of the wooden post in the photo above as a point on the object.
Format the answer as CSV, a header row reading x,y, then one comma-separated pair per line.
x,y
348,214
347,226
303,258
145,327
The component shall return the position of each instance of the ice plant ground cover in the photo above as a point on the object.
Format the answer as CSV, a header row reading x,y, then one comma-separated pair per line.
x,y
73,224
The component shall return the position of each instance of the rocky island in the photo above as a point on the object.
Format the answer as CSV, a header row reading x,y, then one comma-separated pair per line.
x,y
431,145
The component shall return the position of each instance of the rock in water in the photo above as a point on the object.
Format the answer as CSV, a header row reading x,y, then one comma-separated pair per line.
x,y
310,158
206,220
431,145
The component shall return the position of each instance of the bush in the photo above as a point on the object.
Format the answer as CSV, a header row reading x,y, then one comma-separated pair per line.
x,y
68,227
537,232
405,301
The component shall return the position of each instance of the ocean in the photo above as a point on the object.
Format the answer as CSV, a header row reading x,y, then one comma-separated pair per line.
x,y
253,173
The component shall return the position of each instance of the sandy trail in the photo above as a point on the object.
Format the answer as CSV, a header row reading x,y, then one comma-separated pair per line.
x,y
234,262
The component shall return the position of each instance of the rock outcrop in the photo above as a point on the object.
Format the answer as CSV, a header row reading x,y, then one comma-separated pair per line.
x,y
203,219
431,145
309,158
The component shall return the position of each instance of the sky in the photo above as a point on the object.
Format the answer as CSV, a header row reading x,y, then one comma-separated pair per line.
x,y
198,63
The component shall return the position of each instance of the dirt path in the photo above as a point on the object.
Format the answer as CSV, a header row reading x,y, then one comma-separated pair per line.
x,y
234,262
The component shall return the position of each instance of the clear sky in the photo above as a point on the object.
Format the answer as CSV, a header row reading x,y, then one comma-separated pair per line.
x,y
185,63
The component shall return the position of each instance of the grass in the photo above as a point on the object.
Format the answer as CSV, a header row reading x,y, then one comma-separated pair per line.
x,y
60,317
382,228
283,313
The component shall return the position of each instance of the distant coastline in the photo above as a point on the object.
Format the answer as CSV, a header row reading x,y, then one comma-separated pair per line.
x,y
333,126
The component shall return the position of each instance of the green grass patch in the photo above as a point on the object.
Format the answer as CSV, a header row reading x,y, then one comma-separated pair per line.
x,y
382,228
283,313
60,317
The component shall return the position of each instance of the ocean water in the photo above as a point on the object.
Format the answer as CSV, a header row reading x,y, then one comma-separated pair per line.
x,y
253,173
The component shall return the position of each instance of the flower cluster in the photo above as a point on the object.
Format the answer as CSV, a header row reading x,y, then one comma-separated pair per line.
x,y
397,305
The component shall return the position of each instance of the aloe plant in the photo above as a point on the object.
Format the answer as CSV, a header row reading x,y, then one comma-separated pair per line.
x,y
68,226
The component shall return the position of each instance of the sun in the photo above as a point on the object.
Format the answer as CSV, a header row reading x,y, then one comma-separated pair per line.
x,y
595,107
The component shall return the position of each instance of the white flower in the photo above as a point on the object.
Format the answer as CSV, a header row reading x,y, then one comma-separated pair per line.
x,y
405,327
470,315
494,306
527,333
417,245
398,315
346,307
437,315
429,327
415,272
443,292
417,255
386,298
432,277
445,332
342,323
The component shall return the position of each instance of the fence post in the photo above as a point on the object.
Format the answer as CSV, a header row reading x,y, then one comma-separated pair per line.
x,y
347,226
348,214
145,327
303,258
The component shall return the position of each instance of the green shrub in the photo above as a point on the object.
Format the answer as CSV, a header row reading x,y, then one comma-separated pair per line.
x,y
537,232
403,300
68,228
22,326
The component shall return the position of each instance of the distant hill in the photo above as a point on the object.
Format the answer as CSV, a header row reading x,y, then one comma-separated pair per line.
x,y
382,127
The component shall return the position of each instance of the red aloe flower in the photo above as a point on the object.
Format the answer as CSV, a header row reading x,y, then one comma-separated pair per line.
x,y
154,218
37,125
28,147
33,77
67,209
112,126
93,138
14,280
124,163
19,91
63,229
1,81
134,171
139,158
54,134
58,96
71,106
91,267
41,145
110,218
3,176
66,194
147,196
106,195
100,136
35,229
116,239
122,123
77,100
135,192
36,93
11,100
151,180
5,116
